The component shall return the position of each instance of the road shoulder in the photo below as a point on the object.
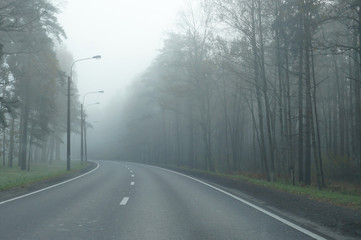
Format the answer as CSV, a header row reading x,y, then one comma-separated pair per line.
x,y
335,221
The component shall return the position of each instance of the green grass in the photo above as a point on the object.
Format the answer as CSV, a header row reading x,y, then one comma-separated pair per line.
x,y
14,177
342,198
342,194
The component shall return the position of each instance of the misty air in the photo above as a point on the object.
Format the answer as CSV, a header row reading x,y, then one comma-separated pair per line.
x,y
180,119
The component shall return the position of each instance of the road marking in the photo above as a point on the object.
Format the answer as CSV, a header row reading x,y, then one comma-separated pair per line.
x,y
50,187
132,183
290,224
131,171
124,201
132,175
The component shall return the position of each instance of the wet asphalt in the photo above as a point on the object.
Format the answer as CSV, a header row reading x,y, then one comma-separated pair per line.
x,y
123,200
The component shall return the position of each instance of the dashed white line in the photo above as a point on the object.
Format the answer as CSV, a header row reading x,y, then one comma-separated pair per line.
x,y
124,201
132,183
131,171
132,175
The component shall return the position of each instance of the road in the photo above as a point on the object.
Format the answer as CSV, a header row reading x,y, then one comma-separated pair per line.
x,y
121,200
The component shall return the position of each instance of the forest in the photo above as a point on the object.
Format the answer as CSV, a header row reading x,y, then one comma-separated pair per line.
x,y
268,87
33,83
264,87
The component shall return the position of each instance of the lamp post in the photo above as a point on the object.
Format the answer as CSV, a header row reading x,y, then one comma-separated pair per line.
x,y
68,110
82,124
85,141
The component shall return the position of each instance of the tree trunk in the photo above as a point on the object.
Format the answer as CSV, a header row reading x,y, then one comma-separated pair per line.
x,y
318,159
24,135
4,146
308,105
358,85
300,116
257,75
11,144
265,94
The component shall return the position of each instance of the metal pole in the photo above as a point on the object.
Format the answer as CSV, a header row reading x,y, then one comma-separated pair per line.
x,y
68,119
86,153
68,129
83,152
81,133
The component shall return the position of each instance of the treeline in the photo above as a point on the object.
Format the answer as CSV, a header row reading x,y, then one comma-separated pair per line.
x,y
262,86
32,85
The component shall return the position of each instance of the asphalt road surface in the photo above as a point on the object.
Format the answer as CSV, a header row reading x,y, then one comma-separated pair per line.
x,y
121,200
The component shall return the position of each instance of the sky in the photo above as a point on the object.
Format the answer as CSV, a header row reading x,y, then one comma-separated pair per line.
x,y
126,33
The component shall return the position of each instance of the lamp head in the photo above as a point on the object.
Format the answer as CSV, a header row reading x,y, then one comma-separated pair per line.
x,y
101,91
97,57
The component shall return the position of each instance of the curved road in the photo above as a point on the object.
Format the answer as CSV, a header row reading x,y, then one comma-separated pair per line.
x,y
123,200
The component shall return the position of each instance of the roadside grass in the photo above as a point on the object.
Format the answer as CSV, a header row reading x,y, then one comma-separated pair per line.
x,y
14,177
342,194
330,194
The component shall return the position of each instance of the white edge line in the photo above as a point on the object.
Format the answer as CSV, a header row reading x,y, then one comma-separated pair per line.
x,y
52,186
124,201
292,225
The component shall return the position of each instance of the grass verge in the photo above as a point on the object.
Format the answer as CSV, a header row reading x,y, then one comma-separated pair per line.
x,y
341,198
334,195
14,177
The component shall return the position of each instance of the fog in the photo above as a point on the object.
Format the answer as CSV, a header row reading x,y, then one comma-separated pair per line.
x,y
128,36
263,87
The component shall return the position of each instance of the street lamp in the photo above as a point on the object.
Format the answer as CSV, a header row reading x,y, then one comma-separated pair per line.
x,y
85,141
68,112
82,124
